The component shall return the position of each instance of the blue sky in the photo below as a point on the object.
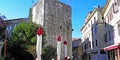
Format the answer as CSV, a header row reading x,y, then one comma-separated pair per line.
x,y
20,9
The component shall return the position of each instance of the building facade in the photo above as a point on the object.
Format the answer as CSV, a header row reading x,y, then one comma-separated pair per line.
x,y
105,33
76,49
92,38
55,17
111,13
13,23
3,25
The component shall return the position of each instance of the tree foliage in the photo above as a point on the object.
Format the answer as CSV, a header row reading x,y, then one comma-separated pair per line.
x,y
25,32
23,41
30,15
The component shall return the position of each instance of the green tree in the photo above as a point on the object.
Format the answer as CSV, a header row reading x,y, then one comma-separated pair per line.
x,y
23,41
25,34
30,15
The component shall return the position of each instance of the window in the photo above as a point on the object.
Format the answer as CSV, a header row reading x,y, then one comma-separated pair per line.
x,y
119,29
96,43
10,27
105,37
102,52
89,44
60,27
113,35
111,14
93,44
94,30
85,47
105,24
94,19
115,6
109,35
108,18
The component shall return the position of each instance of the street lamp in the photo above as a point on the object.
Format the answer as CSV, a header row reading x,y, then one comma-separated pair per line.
x,y
3,25
6,33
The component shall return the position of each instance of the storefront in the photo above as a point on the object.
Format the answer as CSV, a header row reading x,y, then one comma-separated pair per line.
x,y
113,52
99,55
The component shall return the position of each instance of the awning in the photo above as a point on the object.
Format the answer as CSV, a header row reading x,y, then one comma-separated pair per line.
x,y
111,47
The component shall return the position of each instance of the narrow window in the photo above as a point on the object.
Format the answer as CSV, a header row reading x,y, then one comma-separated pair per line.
x,y
111,14
89,44
105,37
108,18
60,27
95,30
109,35
96,43
93,44
94,19
119,29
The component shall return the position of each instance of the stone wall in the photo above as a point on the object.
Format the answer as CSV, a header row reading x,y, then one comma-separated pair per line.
x,y
56,21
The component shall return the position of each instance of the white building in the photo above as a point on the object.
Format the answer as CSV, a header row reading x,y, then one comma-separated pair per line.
x,y
111,13
92,37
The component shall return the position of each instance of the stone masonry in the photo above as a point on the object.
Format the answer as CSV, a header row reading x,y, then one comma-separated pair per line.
x,y
55,17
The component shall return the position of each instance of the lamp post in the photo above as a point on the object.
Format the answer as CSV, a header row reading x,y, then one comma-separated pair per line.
x,y
6,33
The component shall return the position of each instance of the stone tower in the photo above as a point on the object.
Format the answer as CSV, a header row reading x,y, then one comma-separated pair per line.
x,y
55,17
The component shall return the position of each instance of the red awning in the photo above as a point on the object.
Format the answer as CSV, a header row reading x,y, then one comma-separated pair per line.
x,y
111,47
